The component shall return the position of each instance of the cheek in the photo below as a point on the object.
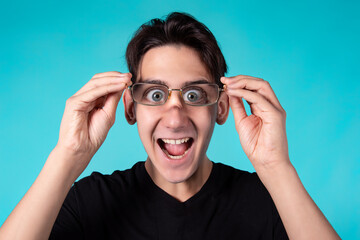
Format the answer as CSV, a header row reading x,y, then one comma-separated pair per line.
x,y
204,120
146,123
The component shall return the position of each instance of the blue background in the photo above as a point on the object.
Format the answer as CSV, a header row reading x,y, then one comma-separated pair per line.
x,y
308,51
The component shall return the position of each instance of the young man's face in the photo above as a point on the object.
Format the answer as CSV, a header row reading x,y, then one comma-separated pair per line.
x,y
175,135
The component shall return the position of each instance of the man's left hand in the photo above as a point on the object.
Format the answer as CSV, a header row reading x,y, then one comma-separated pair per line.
x,y
263,133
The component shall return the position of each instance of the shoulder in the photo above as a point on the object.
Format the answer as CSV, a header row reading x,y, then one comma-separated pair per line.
x,y
118,180
248,202
240,181
236,175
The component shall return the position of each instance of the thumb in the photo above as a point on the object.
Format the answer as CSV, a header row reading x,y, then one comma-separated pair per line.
x,y
237,106
111,104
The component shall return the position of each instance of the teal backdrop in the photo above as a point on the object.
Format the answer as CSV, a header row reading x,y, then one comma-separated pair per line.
x,y
308,51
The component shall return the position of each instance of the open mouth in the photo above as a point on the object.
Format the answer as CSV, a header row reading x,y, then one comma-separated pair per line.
x,y
175,148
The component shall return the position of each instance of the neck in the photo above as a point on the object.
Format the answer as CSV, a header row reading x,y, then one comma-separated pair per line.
x,y
182,191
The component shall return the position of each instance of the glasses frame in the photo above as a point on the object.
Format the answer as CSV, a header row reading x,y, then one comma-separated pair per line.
x,y
170,90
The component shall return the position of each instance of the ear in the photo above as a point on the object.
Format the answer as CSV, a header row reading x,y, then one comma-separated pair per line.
x,y
129,106
223,108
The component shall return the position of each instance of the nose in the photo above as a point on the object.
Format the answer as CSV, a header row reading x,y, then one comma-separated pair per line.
x,y
175,98
175,114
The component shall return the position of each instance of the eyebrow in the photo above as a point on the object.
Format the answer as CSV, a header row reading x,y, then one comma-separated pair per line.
x,y
157,81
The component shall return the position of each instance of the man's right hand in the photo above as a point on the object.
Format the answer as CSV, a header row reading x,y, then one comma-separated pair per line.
x,y
89,114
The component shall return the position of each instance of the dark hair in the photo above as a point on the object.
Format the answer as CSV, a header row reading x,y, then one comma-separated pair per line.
x,y
177,28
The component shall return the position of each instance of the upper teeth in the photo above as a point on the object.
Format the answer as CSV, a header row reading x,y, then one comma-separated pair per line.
x,y
176,141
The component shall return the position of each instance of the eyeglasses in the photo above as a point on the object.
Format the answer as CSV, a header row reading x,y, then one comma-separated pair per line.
x,y
151,94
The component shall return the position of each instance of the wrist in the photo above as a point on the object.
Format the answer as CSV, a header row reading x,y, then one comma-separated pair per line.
x,y
276,172
272,164
69,163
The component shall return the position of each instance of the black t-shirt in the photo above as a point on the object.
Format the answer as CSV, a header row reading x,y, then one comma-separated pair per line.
x,y
232,204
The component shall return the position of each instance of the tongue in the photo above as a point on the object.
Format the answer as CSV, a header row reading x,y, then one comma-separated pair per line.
x,y
175,149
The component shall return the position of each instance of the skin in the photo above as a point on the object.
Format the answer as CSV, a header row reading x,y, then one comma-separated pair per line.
x,y
176,65
88,116
90,113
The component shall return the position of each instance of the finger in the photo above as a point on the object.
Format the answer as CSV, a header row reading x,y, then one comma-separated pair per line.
x,y
98,82
255,84
101,81
258,104
110,73
240,77
237,106
111,105
99,103
87,100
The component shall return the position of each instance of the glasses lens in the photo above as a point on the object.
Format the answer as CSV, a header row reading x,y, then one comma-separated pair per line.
x,y
149,94
200,94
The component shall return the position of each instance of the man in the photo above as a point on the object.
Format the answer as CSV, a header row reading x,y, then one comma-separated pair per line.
x,y
177,94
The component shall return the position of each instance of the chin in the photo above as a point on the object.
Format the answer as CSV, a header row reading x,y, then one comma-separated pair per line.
x,y
174,173
178,176
175,158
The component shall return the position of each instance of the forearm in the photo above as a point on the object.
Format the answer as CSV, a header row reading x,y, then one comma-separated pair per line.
x,y
300,215
36,213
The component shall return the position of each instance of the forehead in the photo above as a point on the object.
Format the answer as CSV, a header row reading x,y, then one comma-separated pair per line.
x,y
174,65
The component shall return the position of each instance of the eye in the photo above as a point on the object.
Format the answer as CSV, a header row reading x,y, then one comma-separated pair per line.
x,y
192,95
155,95
195,95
